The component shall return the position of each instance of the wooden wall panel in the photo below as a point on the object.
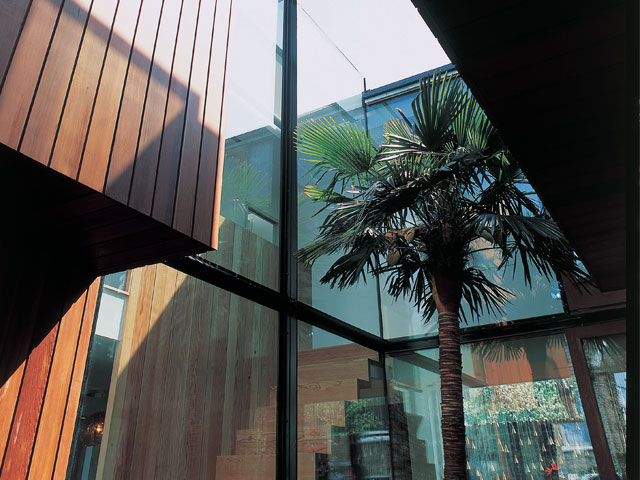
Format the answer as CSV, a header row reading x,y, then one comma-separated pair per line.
x,y
212,151
151,130
114,94
42,121
192,367
24,71
125,141
174,118
110,91
69,144
40,410
75,387
12,16
194,115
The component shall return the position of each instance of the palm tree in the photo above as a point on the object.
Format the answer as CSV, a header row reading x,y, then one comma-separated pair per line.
x,y
418,208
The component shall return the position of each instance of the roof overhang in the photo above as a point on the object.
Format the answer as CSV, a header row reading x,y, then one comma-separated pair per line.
x,y
552,78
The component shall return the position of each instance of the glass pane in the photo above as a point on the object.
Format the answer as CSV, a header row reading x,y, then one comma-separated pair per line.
x,y
523,414
248,236
328,85
116,280
400,318
342,414
187,389
339,61
607,361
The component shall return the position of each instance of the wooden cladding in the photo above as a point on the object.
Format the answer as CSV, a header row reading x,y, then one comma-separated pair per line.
x,y
126,97
39,397
194,370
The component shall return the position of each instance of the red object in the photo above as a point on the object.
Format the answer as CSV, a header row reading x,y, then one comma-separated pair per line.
x,y
549,470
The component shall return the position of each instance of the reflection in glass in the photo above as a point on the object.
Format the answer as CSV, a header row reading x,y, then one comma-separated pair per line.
x,y
343,427
400,318
250,203
607,361
523,414
329,85
186,390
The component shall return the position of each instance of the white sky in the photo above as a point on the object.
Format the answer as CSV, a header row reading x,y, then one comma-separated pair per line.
x,y
386,40
383,40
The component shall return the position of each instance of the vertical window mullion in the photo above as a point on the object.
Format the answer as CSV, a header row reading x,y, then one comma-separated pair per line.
x,y
286,448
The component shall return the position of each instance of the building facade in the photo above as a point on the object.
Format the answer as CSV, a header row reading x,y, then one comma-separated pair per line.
x,y
156,322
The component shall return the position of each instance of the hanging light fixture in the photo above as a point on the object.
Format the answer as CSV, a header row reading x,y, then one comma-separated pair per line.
x,y
92,428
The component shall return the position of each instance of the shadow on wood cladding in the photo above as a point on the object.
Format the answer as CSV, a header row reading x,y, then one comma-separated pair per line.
x,y
193,362
126,100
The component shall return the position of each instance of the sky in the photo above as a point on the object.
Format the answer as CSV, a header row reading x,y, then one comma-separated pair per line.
x,y
340,42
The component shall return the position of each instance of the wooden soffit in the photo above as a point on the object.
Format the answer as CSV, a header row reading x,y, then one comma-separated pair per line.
x,y
552,78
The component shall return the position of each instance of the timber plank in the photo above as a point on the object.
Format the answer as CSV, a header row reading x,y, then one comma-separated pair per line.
x,y
215,396
169,455
151,130
75,387
147,430
102,124
43,120
123,151
67,152
179,92
229,397
12,16
212,145
246,467
20,324
197,378
22,77
28,408
139,315
190,155
47,437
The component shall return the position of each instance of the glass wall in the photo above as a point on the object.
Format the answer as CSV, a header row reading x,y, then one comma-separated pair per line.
x,y
343,428
248,236
185,387
181,377
338,63
607,361
329,86
400,318
523,414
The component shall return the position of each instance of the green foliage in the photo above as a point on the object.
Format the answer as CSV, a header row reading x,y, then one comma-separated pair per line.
x,y
360,417
532,401
248,186
438,190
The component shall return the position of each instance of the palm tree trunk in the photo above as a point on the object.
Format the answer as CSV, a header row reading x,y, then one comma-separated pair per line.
x,y
447,290
453,434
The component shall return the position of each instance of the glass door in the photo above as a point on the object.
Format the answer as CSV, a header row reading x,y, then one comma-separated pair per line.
x,y
599,357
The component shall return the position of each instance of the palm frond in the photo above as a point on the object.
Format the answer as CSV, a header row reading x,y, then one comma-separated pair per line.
x,y
344,148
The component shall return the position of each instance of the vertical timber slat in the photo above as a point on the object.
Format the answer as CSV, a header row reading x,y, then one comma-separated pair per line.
x,y
150,139
47,436
49,98
169,161
105,112
24,72
75,387
211,142
67,151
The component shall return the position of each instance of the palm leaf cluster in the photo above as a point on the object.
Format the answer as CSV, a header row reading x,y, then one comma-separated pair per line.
x,y
441,187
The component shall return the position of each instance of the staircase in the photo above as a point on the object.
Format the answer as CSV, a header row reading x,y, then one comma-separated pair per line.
x,y
328,379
